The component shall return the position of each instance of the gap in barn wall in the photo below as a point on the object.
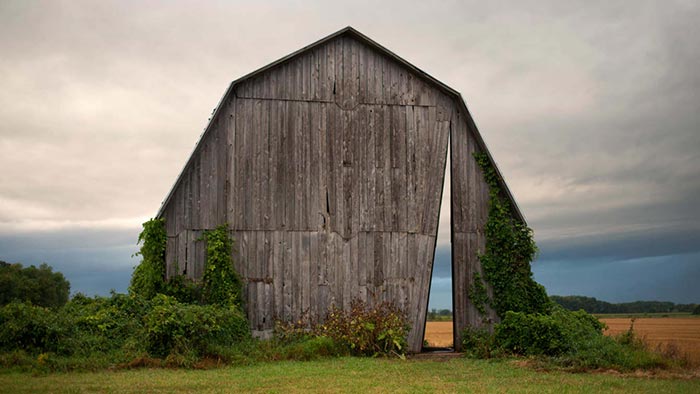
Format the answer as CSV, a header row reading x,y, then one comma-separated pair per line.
x,y
439,334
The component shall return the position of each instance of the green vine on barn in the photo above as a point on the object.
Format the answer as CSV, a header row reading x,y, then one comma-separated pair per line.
x,y
148,278
510,248
221,284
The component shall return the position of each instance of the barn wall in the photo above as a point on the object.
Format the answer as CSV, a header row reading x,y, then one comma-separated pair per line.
x,y
329,170
470,206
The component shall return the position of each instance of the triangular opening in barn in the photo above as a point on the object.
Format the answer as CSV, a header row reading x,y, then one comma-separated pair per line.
x,y
438,336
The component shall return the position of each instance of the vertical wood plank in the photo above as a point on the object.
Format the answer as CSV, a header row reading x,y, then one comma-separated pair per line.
x,y
288,275
411,177
304,275
313,276
388,201
264,166
290,166
305,180
314,161
368,178
369,267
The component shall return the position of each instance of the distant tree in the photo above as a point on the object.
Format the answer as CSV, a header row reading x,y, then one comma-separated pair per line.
x,y
439,315
588,304
688,308
592,305
40,286
696,311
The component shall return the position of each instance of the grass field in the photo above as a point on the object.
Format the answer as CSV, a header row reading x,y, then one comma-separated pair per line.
x,y
347,375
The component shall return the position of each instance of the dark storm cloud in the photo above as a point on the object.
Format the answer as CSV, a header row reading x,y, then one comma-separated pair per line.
x,y
662,278
93,260
591,110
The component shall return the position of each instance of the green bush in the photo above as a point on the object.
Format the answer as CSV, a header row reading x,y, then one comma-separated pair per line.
x,y
221,284
174,328
531,334
148,278
567,339
101,324
117,329
478,343
560,332
24,326
289,332
367,331
183,289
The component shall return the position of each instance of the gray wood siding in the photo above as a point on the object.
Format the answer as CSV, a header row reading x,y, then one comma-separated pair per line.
x,y
470,206
328,168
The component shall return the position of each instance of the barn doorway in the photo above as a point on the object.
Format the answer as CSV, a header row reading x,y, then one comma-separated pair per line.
x,y
438,335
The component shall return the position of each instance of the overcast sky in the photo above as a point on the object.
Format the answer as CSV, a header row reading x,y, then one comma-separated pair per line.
x,y
591,110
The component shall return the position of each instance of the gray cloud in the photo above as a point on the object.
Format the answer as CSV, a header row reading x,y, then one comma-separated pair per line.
x,y
591,110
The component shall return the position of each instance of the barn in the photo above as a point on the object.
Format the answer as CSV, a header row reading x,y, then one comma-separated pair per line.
x,y
328,166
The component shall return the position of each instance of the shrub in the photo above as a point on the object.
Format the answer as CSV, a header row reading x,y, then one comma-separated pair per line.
x,y
566,339
148,278
478,342
531,334
101,324
290,332
174,328
554,334
183,289
221,284
367,331
24,326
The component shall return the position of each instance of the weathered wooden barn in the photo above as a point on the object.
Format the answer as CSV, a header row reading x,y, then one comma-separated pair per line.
x,y
328,166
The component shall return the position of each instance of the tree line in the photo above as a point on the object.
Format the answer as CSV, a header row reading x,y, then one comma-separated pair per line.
x,y
39,285
593,305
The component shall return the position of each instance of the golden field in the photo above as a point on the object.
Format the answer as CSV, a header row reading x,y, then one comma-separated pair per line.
x,y
665,334
439,333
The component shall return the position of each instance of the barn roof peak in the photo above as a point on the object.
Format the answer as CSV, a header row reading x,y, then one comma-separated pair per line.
x,y
351,31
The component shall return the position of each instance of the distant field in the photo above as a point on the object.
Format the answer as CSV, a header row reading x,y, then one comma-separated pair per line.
x,y
682,333
346,375
439,333
680,315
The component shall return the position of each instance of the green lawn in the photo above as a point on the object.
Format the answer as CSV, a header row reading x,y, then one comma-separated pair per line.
x,y
352,375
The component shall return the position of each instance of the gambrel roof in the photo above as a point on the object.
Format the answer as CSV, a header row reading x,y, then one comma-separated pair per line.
x,y
349,31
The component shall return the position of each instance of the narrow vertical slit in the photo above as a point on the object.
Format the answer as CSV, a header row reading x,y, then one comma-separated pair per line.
x,y
439,327
184,272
